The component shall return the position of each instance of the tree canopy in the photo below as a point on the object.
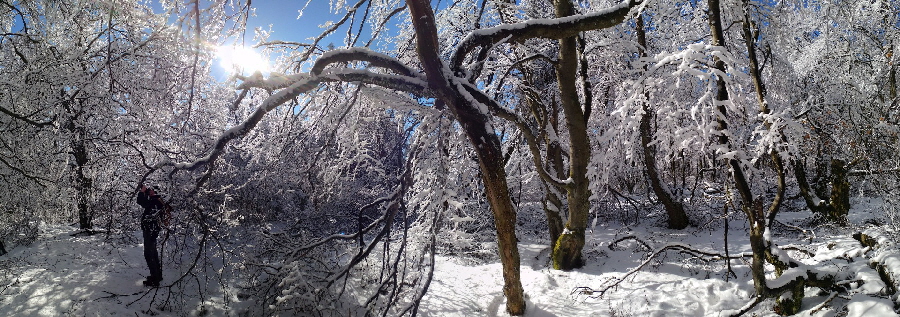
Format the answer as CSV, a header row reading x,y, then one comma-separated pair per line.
x,y
442,127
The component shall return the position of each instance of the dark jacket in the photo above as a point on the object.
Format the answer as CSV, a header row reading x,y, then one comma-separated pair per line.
x,y
152,205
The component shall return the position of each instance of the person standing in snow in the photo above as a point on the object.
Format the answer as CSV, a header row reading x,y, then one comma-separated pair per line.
x,y
153,206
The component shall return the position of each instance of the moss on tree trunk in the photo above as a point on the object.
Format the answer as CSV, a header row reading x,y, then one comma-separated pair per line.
x,y
567,251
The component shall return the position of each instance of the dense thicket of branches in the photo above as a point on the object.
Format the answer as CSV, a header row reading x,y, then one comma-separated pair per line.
x,y
331,183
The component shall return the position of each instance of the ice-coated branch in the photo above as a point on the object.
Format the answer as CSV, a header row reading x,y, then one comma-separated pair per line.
x,y
333,27
519,121
296,85
873,172
558,28
413,85
25,119
282,96
37,179
361,54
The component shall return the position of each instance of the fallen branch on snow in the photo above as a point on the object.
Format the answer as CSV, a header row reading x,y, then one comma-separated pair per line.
x,y
614,282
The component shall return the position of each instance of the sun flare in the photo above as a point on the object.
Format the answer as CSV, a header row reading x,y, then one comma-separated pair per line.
x,y
241,60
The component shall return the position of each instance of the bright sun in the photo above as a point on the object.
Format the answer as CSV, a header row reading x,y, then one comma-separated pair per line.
x,y
241,60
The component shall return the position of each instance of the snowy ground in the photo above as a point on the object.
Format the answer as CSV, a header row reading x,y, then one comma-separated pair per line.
x,y
673,285
65,275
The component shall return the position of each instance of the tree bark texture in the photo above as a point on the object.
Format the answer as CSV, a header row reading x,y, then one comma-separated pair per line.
x,y
547,117
553,204
837,205
567,251
840,192
752,208
760,89
485,143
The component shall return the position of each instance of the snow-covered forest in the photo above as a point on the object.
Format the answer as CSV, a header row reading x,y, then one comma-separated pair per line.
x,y
454,158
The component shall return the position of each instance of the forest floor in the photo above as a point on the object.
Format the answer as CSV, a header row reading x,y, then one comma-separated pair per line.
x,y
674,283
65,275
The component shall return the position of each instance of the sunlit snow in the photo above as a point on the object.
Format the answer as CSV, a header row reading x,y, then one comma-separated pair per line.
x,y
62,274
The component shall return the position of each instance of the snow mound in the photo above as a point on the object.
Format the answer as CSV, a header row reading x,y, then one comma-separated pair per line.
x,y
866,306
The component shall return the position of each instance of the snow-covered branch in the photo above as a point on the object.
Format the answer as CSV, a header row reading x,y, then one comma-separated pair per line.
x,y
558,28
362,54
25,119
872,172
302,83
520,122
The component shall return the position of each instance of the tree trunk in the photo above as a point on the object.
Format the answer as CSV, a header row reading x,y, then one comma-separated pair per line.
x,y
840,192
486,144
81,183
817,206
553,198
892,75
837,206
567,251
677,218
552,207
760,88
753,207
494,176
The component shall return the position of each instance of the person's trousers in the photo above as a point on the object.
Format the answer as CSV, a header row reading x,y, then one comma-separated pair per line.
x,y
151,232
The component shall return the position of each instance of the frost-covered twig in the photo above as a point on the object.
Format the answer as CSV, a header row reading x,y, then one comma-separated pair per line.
x,y
823,304
558,28
747,307
808,232
598,293
634,203
635,238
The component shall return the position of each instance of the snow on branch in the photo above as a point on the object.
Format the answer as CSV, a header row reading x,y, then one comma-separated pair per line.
x,y
873,171
407,81
478,97
35,178
558,28
275,100
362,54
414,85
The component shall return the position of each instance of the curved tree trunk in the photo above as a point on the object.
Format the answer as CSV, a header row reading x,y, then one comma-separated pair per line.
x,y
840,192
760,88
752,206
677,218
548,117
494,177
486,144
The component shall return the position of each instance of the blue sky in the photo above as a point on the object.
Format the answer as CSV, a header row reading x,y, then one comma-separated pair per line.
x,y
282,16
